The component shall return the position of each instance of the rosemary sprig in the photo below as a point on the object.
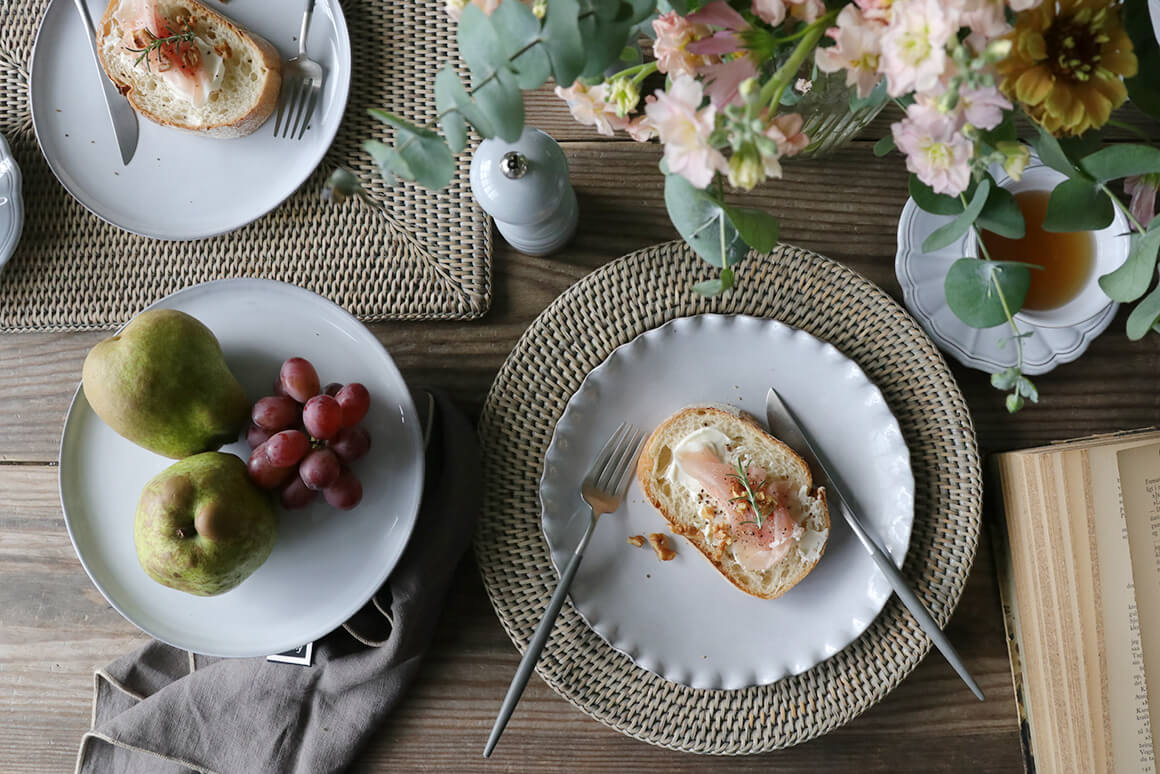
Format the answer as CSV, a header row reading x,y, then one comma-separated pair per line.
x,y
750,496
155,43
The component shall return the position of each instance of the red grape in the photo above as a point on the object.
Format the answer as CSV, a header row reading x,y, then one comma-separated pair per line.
x,y
319,469
322,416
287,448
263,473
355,400
275,413
256,436
297,495
299,379
331,389
351,443
345,493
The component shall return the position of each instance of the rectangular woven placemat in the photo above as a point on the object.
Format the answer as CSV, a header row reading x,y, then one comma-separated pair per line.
x,y
408,253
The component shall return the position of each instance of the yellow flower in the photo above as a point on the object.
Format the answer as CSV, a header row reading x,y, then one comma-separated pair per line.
x,y
1067,63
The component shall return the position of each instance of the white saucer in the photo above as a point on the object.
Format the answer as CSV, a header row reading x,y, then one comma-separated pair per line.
x,y
988,349
11,204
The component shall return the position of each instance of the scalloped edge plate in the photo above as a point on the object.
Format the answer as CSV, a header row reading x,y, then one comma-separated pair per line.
x,y
681,619
11,203
922,275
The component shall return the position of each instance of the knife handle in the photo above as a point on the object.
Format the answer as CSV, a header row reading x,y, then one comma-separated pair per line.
x,y
910,600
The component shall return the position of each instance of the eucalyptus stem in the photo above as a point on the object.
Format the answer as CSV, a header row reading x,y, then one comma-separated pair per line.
x,y
773,89
1123,208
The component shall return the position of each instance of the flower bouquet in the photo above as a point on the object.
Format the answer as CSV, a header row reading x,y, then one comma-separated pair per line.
x,y
727,76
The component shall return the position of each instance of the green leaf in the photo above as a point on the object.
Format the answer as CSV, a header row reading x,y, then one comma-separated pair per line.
x,y
1014,403
928,200
562,37
1001,214
1078,205
757,228
1144,316
1004,132
954,231
602,41
1051,154
1144,87
641,10
884,145
517,28
1005,379
390,164
1026,389
876,97
451,95
503,103
700,219
709,288
1084,145
1122,160
479,44
425,157
1131,280
680,6
972,295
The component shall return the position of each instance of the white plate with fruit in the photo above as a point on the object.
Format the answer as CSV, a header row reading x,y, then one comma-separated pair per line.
x,y
201,521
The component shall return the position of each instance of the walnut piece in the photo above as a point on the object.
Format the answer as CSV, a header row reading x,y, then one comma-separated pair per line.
x,y
661,546
636,540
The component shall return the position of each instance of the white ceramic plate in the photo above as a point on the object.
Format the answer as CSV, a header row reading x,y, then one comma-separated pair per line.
x,y
922,276
681,619
11,204
326,564
179,185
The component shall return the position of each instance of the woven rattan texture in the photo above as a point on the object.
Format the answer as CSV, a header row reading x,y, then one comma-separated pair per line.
x,y
609,308
408,254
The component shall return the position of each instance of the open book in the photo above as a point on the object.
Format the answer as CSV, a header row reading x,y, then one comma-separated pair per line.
x,y
1078,559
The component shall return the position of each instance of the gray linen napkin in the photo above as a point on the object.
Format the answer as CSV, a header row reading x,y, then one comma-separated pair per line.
x,y
162,710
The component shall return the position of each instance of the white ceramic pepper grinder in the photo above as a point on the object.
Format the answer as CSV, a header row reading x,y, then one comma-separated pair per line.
x,y
524,186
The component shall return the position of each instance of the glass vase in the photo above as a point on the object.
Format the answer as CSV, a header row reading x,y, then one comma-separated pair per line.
x,y
828,121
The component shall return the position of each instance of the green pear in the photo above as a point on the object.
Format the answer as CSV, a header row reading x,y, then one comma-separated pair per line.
x,y
163,384
202,526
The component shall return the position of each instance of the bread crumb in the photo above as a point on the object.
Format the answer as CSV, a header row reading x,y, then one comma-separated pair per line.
x,y
636,540
661,546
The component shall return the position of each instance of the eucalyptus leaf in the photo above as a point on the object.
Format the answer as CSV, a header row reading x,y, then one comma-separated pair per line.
x,y
1005,379
1076,148
425,157
1131,280
602,41
518,30
562,38
709,288
1052,154
641,9
680,6
450,94
1026,389
701,220
604,9
502,102
973,288
479,44
1144,87
390,164
928,200
884,145
1014,403
1122,160
1078,205
454,129
955,230
757,227
1144,316
399,123
1001,214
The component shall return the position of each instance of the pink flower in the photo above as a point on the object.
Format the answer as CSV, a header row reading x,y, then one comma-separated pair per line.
x,y
983,107
641,128
786,131
723,81
674,34
771,12
455,8
987,20
589,107
684,128
855,50
808,11
1142,189
720,14
935,149
914,46
876,10
723,78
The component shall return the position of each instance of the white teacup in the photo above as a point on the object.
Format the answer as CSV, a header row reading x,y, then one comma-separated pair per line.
x,y
1110,249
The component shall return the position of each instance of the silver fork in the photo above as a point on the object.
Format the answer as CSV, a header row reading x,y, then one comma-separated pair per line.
x,y
301,85
603,489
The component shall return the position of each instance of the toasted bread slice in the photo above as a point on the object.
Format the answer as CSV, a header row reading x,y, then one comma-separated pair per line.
x,y
238,72
719,530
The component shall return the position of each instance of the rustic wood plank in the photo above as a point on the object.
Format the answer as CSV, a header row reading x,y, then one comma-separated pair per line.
x,y
55,629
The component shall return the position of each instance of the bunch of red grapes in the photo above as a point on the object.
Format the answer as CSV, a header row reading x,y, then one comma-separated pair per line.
x,y
304,438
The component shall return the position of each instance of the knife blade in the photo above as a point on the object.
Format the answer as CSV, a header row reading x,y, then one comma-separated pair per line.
x,y
121,113
784,425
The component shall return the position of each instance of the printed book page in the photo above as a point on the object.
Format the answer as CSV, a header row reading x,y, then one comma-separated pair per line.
x,y
1127,690
1140,483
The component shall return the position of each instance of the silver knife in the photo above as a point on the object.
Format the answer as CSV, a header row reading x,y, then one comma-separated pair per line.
x,y
786,427
121,113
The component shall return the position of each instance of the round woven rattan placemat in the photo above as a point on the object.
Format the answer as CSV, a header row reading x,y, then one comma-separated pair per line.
x,y
642,291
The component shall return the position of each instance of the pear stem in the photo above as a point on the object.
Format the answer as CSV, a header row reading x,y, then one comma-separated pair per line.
x,y
186,532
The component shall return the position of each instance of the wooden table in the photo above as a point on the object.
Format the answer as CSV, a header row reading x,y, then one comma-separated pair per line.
x,y
55,628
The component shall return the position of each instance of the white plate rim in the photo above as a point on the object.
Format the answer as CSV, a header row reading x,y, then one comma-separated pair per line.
x,y
342,34
10,238
717,680
409,518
